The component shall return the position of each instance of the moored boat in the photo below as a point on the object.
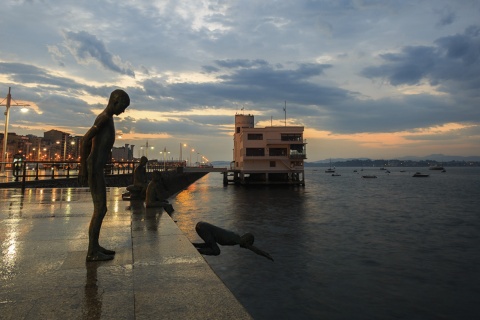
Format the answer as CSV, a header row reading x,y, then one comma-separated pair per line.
x,y
420,175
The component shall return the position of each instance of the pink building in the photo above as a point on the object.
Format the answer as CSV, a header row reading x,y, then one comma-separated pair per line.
x,y
270,155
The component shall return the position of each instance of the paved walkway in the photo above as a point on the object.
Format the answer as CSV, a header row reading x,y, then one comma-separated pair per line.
x,y
156,273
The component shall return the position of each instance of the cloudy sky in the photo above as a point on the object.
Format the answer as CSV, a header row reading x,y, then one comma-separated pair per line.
x,y
367,78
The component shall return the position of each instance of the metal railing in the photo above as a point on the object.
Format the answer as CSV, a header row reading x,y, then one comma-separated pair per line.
x,y
43,170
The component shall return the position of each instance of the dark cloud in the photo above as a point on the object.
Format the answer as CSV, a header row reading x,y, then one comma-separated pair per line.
x,y
210,69
452,64
86,47
240,63
447,17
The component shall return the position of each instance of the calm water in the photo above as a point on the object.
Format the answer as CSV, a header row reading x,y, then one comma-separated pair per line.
x,y
394,247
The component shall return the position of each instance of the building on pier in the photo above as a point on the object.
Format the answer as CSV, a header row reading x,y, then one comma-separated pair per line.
x,y
270,155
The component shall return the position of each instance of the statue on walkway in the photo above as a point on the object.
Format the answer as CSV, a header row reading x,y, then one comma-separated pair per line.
x,y
95,150
138,189
157,193
213,235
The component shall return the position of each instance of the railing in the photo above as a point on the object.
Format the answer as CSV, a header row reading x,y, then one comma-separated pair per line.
x,y
43,170
36,170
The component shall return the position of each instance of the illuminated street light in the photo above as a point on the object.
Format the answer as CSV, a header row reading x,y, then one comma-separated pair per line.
x,y
146,149
7,118
193,150
165,152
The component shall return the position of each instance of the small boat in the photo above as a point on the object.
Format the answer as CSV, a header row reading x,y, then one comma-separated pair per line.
x,y
420,175
336,175
369,176
436,167
330,170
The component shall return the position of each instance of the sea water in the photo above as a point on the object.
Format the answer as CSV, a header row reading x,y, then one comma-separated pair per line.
x,y
346,247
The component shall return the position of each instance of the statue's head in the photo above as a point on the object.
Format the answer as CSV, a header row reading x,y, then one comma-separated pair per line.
x,y
246,240
120,100
143,160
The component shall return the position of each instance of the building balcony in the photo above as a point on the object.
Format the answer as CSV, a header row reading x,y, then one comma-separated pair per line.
x,y
297,155
285,142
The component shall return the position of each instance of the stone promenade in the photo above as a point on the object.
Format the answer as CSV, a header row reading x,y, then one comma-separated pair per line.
x,y
156,273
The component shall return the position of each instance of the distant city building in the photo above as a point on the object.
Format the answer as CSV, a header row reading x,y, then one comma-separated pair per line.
x,y
267,155
55,145
124,153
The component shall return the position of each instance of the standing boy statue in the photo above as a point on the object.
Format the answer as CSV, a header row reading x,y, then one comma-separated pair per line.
x,y
95,151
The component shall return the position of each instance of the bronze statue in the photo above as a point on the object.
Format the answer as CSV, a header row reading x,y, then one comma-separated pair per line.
x,y
95,153
212,235
157,193
138,189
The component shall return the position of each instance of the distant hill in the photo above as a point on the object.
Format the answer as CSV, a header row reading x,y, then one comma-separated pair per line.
x,y
435,157
441,157
221,163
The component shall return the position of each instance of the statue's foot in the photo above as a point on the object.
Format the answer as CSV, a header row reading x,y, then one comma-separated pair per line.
x,y
99,256
106,251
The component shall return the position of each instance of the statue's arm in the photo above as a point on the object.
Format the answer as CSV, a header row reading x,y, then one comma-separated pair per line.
x,y
86,147
259,252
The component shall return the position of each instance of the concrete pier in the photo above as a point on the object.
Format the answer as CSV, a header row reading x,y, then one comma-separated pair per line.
x,y
156,273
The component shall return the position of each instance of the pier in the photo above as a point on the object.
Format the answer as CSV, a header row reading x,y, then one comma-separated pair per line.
x,y
156,273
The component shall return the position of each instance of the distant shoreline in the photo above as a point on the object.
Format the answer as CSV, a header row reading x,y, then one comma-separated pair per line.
x,y
378,163
393,163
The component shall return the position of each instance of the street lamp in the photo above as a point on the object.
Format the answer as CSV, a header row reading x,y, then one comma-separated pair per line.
x,y
7,118
181,149
164,156
146,148
193,150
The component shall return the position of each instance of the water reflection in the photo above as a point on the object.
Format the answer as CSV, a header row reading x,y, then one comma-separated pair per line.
x,y
92,300
9,251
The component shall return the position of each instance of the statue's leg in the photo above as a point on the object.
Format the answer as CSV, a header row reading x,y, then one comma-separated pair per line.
x,y
210,246
99,196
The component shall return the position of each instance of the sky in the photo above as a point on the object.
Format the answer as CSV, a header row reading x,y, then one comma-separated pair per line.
x,y
366,78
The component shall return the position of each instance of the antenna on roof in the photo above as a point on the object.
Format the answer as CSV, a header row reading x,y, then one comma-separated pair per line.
x,y
285,110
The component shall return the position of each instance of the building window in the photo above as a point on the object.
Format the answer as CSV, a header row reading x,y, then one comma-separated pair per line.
x,y
255,136
291,136
278,152
297,151
273,164
255,152
238,129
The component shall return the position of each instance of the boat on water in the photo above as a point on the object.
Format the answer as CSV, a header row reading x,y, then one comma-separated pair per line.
x,y
336,175
420,175
371,176
436,167
330,170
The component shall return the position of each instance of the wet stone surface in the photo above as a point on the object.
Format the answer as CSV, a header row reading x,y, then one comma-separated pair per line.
x,y
156,270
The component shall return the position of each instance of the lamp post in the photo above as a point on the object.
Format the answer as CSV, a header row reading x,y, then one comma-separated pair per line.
x,y
146,149
7,118
193,150
65,147
164,158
